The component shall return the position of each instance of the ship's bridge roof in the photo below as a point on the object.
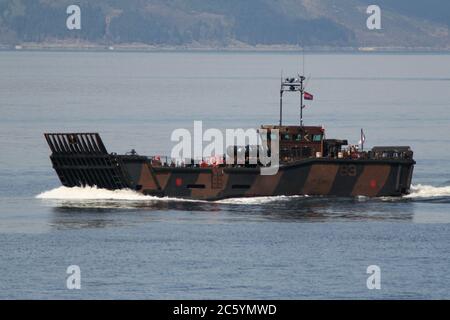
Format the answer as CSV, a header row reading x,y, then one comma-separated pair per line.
x,y
296,129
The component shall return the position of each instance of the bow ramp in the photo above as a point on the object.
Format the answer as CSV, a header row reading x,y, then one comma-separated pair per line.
x,y
81,159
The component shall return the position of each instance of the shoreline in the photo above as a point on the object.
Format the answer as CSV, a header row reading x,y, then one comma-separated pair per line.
x,y
82,47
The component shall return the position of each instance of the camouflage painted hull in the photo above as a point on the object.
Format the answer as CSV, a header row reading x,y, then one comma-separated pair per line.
x,y
310,177
86,162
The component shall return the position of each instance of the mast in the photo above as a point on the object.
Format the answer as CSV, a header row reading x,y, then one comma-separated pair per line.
x,y
281,107
292,85
302,78
281,100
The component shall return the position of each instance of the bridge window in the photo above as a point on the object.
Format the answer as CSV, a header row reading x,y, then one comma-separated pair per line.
x,y
298,137
317,137
286,136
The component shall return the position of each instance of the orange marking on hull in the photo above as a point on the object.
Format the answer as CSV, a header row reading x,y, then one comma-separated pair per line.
x,y
320,179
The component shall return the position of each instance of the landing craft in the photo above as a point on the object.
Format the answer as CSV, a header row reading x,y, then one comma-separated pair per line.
x,y
309,164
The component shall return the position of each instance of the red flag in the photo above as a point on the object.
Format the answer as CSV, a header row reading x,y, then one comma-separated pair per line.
x,y
308,96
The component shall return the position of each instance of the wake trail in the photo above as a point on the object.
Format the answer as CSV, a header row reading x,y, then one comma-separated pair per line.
x,y
93,194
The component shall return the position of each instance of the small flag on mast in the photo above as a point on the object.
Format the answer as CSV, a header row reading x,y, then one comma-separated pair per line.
x,y
362,139
308,96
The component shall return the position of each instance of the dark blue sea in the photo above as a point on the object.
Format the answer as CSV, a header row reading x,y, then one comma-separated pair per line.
x,y
129,246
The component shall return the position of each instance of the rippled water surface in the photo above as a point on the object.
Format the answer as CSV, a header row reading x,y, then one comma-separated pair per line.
x,y
133,246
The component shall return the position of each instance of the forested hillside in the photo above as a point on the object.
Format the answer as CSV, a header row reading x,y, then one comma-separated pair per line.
x,y
219,23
